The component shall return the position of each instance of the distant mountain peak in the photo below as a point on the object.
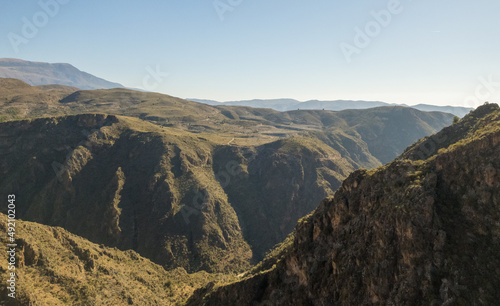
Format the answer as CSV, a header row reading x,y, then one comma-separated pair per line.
x,y
41,73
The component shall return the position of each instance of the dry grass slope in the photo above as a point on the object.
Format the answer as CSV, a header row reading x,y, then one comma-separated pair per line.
x,y
56,267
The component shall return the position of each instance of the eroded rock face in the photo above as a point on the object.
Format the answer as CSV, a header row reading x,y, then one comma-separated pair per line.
x,y
410,233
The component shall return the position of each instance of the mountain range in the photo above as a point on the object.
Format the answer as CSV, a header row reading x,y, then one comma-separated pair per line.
x,y
404,233
41,73
335,105
130,197
232,161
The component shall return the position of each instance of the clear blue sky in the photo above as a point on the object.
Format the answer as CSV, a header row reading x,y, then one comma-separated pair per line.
x,y
433,51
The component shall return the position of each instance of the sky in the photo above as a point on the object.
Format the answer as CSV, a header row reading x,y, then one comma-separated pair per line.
x,y
438,52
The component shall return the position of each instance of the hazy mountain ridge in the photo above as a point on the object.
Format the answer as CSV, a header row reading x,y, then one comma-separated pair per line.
x,y
411,232
335,105
40,73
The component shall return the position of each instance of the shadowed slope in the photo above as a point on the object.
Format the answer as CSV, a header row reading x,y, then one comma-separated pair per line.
x,y
123,182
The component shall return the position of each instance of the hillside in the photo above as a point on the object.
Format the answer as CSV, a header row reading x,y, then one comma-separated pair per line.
x,y
467,129
56,267
289,161
258,202
141,184
413,232
385,130
126,183
39,73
